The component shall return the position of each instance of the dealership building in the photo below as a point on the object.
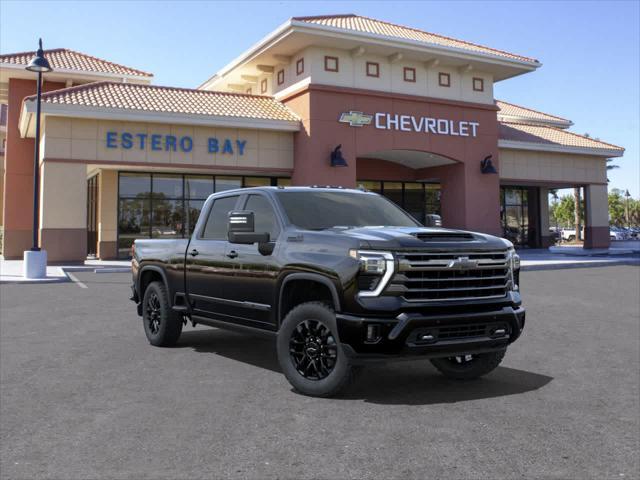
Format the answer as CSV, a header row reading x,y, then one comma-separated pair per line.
x,y
332,100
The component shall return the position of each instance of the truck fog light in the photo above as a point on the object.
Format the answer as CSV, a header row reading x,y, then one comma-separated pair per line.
x,y
373,333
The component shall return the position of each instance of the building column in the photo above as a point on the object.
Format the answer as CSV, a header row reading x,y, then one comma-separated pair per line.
x,y
312,150
108,215
596,217
63,211
18,173
469,200
546,240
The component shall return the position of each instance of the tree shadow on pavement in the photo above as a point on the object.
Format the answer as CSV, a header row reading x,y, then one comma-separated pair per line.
x,y
413,382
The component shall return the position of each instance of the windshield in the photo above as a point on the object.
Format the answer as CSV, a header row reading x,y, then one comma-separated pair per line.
x,y
321,210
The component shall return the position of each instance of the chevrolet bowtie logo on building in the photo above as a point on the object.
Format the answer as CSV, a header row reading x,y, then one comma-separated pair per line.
x,y
355,119
462,263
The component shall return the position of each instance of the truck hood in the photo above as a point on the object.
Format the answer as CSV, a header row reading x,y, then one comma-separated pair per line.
x,y
412,238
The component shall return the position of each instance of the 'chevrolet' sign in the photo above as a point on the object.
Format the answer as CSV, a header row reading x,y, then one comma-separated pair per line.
x,y
411,123
355,119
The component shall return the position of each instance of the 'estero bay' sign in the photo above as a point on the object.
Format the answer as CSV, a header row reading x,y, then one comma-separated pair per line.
x,y
171,143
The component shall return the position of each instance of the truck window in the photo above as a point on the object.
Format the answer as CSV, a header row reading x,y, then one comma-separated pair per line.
x,y
216,226
265,217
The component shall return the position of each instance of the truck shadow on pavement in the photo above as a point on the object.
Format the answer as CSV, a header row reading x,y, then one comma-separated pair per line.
x,y
413,382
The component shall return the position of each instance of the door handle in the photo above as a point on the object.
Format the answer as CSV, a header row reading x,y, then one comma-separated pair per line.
x,y
232,254
194,253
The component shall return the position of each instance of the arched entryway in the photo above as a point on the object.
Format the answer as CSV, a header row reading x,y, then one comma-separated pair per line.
x,y
409,178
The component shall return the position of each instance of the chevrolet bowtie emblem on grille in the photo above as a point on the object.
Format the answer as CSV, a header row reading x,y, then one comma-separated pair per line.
x,y
356,119
462,263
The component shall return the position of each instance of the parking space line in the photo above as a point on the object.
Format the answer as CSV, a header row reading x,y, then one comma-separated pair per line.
x,y
75,280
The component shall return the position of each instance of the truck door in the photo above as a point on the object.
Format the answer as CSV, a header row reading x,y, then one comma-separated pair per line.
x,y
252,287
207,266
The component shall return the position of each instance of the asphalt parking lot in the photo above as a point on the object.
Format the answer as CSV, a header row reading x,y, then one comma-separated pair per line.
x,y
84,396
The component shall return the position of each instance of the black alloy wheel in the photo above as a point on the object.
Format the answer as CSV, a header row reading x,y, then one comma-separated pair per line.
x,y
162,325
313,350
153,313
467,367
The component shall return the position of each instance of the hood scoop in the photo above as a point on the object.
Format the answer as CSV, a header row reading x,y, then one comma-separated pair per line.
x,y
444,236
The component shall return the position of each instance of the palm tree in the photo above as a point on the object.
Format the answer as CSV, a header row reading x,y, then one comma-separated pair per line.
x,y
576,210
611,166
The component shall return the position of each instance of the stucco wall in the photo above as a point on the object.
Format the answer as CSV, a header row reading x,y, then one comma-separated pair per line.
x,y
85,140
551,167
352,73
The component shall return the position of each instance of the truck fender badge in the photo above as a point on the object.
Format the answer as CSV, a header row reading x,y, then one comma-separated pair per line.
x,y
462,263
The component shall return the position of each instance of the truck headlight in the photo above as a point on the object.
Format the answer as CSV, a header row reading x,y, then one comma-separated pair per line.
x,y
376,269
514,268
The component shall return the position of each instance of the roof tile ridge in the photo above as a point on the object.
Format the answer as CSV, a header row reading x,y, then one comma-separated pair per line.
x,y
147,74
449,38
75,88
533,110
31,52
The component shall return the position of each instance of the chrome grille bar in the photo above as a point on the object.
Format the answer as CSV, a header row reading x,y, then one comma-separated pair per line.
x,y
438,276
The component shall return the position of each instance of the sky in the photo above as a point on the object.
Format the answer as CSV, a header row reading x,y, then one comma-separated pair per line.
x,y
590,51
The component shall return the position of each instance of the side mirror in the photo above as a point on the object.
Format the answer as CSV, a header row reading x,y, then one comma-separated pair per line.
x,y
240,229
433,221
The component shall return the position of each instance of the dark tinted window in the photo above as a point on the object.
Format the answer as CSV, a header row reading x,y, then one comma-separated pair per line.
x,y
319,210
216,226
264,216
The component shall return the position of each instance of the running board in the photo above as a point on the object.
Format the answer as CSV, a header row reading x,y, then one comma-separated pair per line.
x,y
210,322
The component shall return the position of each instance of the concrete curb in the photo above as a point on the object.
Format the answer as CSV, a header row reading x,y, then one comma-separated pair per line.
x,y
563,266
112,270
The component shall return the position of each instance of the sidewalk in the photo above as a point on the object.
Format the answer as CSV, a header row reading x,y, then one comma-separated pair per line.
x,y
544,259
11,270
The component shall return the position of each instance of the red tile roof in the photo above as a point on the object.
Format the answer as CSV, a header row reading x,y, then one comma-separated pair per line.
x,y
65,59
544,135
370,25
513,110
152,98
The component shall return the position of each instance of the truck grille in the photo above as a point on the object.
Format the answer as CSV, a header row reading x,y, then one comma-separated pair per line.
x,y
446,276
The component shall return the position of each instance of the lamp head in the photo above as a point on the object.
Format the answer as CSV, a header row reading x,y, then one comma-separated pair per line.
x,y
337,160
39,62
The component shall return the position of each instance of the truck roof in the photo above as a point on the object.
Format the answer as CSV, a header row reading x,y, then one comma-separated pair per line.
x,y
312,188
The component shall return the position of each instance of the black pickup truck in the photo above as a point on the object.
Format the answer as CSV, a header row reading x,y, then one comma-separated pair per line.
x,y
340,277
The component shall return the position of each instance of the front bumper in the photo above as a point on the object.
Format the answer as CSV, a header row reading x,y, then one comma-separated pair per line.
x,y
440,335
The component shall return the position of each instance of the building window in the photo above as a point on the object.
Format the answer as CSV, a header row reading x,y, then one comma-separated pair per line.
x,y
280,77
444,79
518,221
418,198
300,66
331,64
248,91
168,205
478,84
263,86
373,69
409,74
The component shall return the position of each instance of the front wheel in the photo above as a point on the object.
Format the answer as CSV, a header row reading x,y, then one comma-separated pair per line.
x,y
468,367
309,352
161,324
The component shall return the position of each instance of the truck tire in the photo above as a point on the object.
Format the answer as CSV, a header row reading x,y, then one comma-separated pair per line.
x,y
309,351
464,368
161,324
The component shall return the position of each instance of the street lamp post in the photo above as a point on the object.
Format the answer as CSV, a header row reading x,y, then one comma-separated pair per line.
x,y
626,207
35,260
555,204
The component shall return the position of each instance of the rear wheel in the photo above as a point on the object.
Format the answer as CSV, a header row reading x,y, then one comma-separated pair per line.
x,y
467,367
161,324
309,352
